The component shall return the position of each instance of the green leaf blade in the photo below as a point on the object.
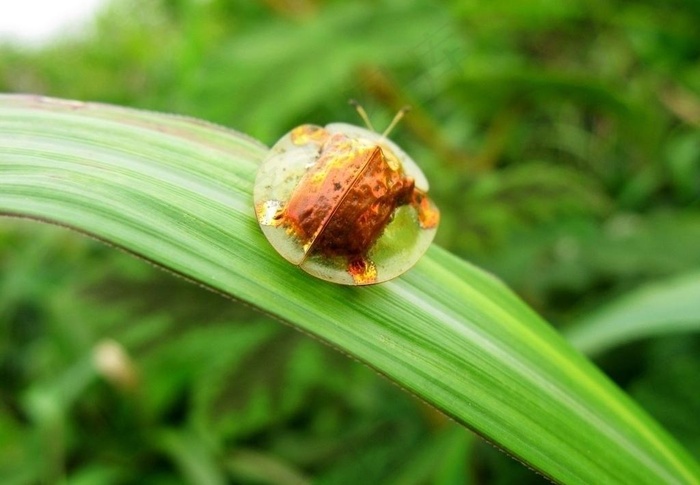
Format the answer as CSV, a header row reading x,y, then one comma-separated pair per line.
x,y
179,193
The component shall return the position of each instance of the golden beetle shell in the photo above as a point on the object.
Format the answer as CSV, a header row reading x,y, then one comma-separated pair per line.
x,y
345,204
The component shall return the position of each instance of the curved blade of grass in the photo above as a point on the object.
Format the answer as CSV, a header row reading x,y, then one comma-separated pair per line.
x,y
666,307
178,192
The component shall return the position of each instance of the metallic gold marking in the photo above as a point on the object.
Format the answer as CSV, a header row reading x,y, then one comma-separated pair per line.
x,y
270,213
301,135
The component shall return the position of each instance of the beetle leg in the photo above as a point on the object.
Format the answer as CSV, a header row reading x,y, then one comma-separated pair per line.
x,y
362,270
428,215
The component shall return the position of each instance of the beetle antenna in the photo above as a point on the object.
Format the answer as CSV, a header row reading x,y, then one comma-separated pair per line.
x,y
396,119
363,114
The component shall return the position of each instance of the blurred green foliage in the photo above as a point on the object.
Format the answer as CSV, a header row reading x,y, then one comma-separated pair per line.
x,y
562,141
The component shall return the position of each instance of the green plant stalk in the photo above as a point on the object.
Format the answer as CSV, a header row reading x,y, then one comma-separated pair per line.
x,y
178,193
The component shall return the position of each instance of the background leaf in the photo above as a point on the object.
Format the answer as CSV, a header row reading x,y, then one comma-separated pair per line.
x,y
664,307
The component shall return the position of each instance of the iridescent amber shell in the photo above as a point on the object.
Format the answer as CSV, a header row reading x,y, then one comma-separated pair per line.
x,y
345,204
